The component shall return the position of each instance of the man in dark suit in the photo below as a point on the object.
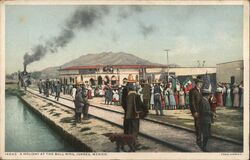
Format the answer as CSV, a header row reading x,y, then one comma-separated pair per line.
x,y
205,119
195,98
132,105
133,102
124,106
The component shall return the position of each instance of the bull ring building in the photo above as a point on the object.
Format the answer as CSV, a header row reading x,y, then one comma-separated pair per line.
x,y
115,74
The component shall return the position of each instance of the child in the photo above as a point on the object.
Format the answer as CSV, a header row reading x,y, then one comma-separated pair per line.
x,y
213,104
205,116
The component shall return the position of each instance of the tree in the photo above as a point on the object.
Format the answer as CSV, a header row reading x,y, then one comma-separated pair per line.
x,y
36,75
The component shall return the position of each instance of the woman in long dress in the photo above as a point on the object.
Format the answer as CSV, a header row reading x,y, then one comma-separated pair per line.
x,y
172,103
152,97
176,97
219,96
236,96
166,98
228,98
181,99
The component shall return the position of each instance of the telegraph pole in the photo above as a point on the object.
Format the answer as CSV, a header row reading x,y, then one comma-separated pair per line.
x,y
167,62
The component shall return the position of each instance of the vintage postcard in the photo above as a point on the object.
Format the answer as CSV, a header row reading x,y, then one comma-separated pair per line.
x,y
124,79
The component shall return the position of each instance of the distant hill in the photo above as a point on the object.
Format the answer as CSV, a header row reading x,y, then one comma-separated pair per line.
x,y
108,58
104,58
50,72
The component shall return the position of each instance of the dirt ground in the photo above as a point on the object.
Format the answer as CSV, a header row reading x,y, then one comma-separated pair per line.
x,y
228,122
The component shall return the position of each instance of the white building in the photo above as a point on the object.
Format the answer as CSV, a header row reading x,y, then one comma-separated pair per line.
x,y
115,74
230,72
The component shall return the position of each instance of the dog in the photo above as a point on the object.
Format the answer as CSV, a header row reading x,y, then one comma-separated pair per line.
x,y
122,139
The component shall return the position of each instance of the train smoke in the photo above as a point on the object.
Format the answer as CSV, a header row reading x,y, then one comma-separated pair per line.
x,y
82,18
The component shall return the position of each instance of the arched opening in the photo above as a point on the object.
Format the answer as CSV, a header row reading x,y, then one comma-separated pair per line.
x,y
106,80
92,81
99,79
113,80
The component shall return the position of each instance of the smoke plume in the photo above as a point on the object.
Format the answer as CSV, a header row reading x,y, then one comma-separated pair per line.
x,y
83,18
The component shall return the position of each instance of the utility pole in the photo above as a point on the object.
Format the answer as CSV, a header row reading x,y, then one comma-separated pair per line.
x,y
199,64
167,63
203,64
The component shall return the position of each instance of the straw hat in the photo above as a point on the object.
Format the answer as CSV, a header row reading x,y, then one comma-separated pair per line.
x,y
78,82
131,79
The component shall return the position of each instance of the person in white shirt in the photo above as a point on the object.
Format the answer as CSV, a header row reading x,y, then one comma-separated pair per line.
x,y
74,93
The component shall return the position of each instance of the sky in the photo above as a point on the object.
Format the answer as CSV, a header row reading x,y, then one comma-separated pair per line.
x,y
192,33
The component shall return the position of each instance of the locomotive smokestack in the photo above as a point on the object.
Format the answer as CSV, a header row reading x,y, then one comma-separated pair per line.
x,y
24,68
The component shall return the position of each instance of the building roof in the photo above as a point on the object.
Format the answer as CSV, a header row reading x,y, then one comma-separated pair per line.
x,y
114,66
230,62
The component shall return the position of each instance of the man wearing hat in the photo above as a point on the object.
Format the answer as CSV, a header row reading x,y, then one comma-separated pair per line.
x,y
133,102
39,84
195,98
58,90
79,104
157,98
132,105
205,119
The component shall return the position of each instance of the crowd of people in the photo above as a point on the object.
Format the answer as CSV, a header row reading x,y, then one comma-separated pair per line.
x,y
48,87
230,95
159,96
79,94
156,96
137,98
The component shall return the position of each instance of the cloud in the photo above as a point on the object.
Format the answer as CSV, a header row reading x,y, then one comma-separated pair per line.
x,y
146,30
129,11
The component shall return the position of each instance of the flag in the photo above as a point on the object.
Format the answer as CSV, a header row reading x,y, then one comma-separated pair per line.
x,y
173,80
207,82
175,84
187,84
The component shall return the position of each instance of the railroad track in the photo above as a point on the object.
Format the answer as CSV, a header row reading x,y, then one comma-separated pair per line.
x,y
163,123
178,138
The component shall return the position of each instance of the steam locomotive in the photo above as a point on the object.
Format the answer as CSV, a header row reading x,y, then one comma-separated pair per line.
x,y
24,78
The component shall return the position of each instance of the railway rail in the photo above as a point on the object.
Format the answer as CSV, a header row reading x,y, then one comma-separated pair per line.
x,y
178,138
